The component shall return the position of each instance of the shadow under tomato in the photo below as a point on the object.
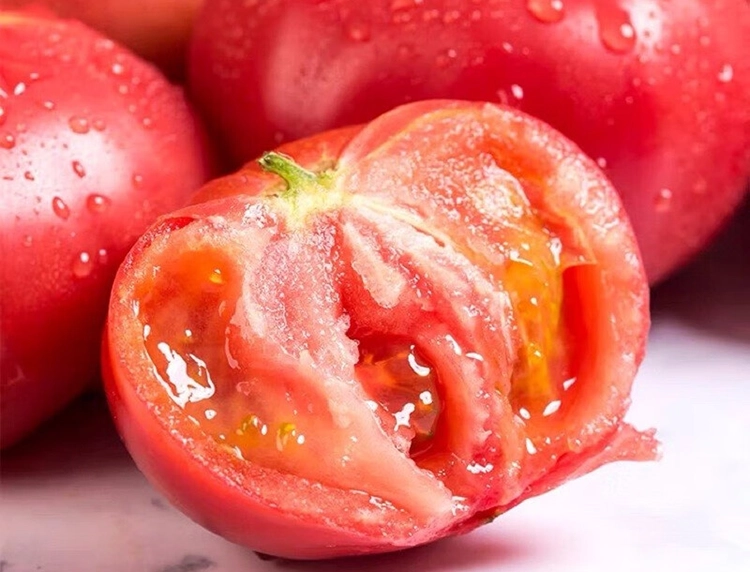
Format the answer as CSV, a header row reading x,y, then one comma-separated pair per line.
x,y
80,440
713,293
476,550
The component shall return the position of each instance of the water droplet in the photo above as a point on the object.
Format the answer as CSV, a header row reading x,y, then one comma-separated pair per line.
x,y
28,175
616,29
117,68
137,181
507,47
3,115
147,122
48,105
103,256
517,91
78,169
60,208
358,32
19,88
97,203
663,200
28,240
602,162
78,124
98,124
123,89
547,11
444,60
726,74
7,141
451,16
82,265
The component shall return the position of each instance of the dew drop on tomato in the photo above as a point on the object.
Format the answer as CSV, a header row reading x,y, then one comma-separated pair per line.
x,y
7,141
547,11
3,115
726,74
82,265
615,28
358,32
78,169
79,124
663,200
60,208
137,180
97,204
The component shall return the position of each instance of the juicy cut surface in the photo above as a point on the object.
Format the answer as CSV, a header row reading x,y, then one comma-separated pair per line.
x,y
427,333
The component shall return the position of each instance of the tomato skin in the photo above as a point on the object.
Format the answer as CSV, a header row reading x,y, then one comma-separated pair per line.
x,y
669,116
282,513
155,30
89,159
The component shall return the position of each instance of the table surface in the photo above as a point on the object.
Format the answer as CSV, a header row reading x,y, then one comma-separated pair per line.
x,y
72,499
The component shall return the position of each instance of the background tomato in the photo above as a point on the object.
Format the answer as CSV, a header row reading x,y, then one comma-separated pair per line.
x,y
445,330
157,30
656,91
94,144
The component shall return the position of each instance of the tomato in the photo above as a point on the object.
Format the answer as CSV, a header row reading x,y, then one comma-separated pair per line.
x,y
94,145
380,336
157,30
657,91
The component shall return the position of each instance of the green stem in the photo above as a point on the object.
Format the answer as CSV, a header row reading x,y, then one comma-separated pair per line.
x,y
296,176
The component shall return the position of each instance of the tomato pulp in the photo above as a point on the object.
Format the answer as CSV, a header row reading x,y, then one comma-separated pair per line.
x,y
657,91
396,334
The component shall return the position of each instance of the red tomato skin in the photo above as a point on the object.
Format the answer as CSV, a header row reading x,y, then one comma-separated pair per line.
x,y
225,494
668,116
95,145
157,30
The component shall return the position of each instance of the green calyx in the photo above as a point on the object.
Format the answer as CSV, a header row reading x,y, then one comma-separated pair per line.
x,y
306,193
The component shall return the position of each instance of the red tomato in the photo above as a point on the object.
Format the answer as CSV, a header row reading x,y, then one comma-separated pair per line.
x,y
94,145
430,320
157,30
657,91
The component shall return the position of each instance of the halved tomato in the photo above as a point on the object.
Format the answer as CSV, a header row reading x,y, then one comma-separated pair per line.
x,y
395,335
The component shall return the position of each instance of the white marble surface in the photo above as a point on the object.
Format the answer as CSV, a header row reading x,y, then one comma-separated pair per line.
x,y
73,501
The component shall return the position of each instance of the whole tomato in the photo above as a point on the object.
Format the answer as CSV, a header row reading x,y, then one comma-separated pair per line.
x,y
157,30
381,336
94,145
656,91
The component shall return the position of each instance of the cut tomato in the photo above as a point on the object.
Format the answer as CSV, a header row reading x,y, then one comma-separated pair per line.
x,y
383,335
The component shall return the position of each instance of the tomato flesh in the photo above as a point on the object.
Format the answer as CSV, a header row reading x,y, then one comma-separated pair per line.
x,y
394,349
